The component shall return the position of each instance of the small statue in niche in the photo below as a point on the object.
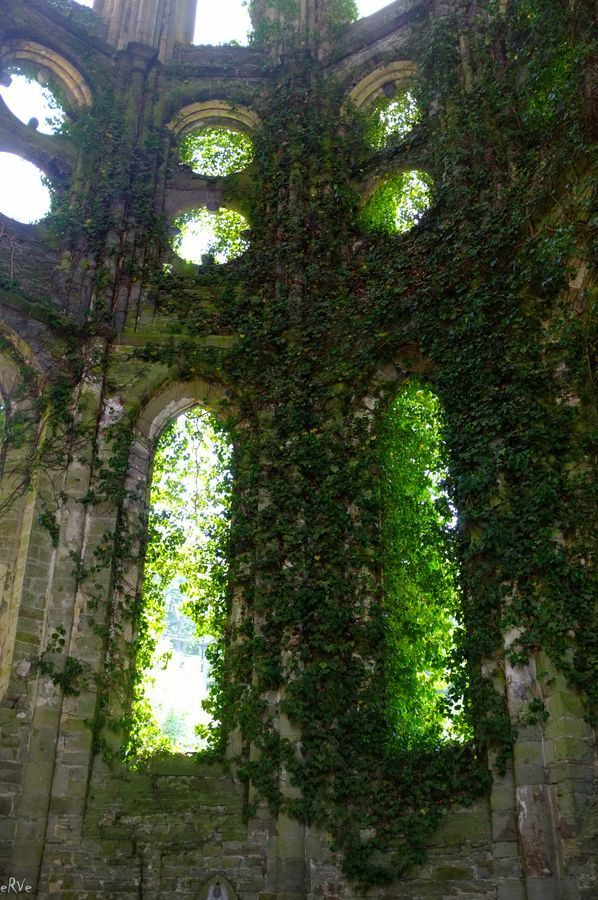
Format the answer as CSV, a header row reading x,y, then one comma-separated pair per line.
x,y
217,891
217,887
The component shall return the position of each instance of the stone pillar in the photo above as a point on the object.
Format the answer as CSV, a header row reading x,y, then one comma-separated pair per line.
x,y
552,776
156,23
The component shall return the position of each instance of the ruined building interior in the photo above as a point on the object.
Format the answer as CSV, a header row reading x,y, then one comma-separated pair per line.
x,y
299,346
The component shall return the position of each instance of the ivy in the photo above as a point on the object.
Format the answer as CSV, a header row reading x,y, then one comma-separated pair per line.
x,y
340,556
323,298
70,675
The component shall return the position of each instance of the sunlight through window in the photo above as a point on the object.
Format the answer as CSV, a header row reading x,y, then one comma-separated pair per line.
x,y
184,598
220,235
399,203
422,598
367,7
393,118
32,102
216,152
24,193
227,22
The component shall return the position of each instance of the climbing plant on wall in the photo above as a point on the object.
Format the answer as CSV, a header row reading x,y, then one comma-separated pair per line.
x,y
316,325
318,312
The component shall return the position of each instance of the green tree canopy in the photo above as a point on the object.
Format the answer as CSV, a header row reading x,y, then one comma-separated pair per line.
x,y
420,573
186,547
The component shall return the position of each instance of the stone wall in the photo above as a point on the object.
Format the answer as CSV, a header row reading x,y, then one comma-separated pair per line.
x,y
72,825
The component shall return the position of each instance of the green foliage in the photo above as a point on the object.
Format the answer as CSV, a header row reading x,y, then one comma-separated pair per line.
x,y
186,546
48,521
174,726
420,576
333,540
392,118
70,675
398,203
215,152
204,234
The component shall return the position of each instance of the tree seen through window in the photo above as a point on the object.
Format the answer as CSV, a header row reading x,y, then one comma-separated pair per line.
x,y
184,595
421,588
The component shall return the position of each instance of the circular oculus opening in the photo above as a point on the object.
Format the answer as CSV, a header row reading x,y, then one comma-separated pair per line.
x,y
216,152
399,203
24,192
33,103
202,232
393,117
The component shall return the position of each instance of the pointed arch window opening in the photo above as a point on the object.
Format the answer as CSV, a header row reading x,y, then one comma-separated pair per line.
x,y
422,594
184,592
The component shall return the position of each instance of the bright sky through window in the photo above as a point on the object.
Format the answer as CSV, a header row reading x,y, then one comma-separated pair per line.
x,y
203,232
224,22
23,195
27,100
367,7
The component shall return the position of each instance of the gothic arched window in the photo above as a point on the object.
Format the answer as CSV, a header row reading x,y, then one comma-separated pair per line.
x,y
420,571
184,596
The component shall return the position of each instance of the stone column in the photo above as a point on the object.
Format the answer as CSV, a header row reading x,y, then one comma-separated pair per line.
x,y
156,23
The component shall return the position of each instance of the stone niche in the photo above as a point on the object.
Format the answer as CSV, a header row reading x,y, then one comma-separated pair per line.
x,y
217,888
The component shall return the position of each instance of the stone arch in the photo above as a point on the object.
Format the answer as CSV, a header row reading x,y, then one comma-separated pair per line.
x,y
217,887
198,196
388,379
373,86
173,399
185,191
70,80
169,401
214,113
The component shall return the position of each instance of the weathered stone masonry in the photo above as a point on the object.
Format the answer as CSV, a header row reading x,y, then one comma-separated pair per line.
x,y
71,824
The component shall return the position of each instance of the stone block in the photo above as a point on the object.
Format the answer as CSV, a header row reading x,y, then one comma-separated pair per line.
x,y
504,826
511,889
7,830
506,850
528,757
577,750
502,798
508,868
453,872
570,771
564,704
544,889
570,728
